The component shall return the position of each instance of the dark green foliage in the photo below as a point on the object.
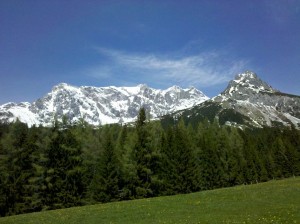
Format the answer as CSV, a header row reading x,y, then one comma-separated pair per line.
x,y
236,159
233,116
207,110
142,157
48,168
186,176
210,162
17,169
168,161
19,153
107,178
63,171
180,171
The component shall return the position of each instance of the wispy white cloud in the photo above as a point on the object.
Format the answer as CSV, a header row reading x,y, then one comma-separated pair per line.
x,y
202,70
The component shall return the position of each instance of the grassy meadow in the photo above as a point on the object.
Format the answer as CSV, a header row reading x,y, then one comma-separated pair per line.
x,y
271,202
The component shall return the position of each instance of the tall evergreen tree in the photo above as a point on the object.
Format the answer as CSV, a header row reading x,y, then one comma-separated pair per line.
x,y
106,181
187,169
155,136
168,162
210,158
223,154
64,185
236,160
251,172
142,155
17,163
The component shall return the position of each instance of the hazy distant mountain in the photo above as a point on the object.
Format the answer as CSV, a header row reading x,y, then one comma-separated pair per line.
x,y
101,105
248,101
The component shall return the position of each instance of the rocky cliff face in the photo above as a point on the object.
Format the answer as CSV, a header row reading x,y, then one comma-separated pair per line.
x,y
249,101
254,98
100,105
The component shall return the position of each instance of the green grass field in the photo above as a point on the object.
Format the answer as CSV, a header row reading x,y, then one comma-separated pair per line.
x,y
271,202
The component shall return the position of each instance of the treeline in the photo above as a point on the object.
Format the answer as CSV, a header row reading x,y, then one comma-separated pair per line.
x,y
64,166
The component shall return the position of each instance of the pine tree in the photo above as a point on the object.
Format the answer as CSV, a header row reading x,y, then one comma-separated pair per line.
x,y
251,172
168,162
128,167
121,141
207,163
17,169
187,169
236,160
63,178
106,181
265,157
142,154
223,154
89,139
210,158
33,200
4,176
291,140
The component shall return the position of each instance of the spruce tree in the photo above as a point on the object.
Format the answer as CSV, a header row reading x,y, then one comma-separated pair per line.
x,y
251,172
63,178
211,169
106,181
236,160
16,162
155,132
168,162
142,155
187,169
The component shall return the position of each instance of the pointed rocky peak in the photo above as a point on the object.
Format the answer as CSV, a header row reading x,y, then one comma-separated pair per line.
x,y
174,89
62,86
193,89
143,86
247,82
247,75
187,92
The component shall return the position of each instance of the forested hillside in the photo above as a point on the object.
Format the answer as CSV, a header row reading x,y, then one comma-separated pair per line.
x,y
71,165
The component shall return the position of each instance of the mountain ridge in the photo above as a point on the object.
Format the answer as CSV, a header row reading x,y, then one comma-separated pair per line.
x,y
100,105
246,101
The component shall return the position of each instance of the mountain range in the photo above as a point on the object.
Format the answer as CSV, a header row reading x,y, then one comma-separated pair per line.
x,y
247,101
100,105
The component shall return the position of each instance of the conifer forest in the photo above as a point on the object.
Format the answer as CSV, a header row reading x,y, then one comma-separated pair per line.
x,y
44,168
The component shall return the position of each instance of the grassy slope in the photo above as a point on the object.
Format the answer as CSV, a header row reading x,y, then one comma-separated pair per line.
x,y
271,202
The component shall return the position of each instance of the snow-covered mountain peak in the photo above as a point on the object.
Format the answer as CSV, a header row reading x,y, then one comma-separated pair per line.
x,y
256,99
248,101
101,105
247,75
142,86
174,89
193,90
246,83
61,86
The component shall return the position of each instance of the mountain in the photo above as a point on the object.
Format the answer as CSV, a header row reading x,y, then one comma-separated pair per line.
x,y
100,105
247,101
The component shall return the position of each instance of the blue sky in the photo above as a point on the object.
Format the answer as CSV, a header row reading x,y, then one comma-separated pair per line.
x,y
160,43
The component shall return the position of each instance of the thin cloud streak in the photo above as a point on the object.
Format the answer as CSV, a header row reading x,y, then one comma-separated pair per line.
x,y
202,70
